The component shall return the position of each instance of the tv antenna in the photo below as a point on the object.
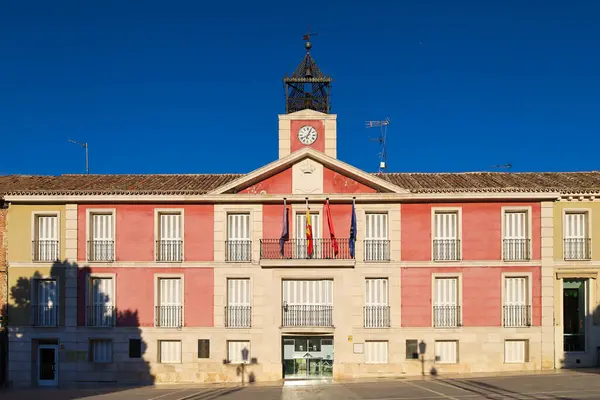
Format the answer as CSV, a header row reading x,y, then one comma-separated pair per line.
x,y
502,166
381,139
87,161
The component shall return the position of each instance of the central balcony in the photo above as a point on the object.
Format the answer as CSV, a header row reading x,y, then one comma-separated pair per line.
x,y
308,316
296,252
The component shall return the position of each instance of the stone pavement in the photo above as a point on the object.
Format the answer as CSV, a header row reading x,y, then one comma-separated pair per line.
x,y
563,385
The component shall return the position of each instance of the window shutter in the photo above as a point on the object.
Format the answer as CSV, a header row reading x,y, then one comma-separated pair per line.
x,y
102,227
170,292
170,226
515,225
48,227
515,351
170,351
238,227
377,227
376,292
515,291
376,352
102,292
446,292
101,351
446,225
235,349
317,292
446,352
238,292
576,225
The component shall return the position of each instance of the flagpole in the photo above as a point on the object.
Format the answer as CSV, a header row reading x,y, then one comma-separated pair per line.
x,y
307,207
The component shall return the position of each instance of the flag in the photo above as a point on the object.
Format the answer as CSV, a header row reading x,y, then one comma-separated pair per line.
x,y
309,234
334,242
352,230
285,233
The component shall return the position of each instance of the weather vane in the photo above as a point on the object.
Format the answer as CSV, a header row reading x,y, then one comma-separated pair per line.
x,y
307,38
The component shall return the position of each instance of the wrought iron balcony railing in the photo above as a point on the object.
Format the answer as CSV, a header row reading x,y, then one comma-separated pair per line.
x,y
377,316
377,250
516,249
238,316
169,250
446,316
578,249
296,249
238,250
45,250
101,250
169,316
517,316
446,249
44,315
307,315
100,316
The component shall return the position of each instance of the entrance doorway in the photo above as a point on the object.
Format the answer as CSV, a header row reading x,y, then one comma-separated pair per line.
x,y
47,365
307,357
574,314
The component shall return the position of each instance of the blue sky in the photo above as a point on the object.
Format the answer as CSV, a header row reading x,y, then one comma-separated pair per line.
x,y
195,87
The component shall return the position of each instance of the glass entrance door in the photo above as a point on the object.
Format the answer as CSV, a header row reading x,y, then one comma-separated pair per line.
x,y
574,314
47,365
307,357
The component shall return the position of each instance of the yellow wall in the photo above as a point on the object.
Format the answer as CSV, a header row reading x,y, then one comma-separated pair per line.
x,y
594,209
20,291
20,225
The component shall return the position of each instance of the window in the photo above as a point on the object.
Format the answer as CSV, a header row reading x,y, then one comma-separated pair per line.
x,y
412,349
446,244
238,310
45,302
577,244
377,311
300,241
101,351
516,351
307,303
170,232
575,314
376,352
238,351
101,244
169,312
46,238
446,351
239,242
169,351
203,348
135,348
446,311
516,236
100,309
377,245
517,311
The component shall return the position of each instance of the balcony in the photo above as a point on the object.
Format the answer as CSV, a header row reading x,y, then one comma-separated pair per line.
x,y
101,250
377,250
169,316
377,316
238,316
100,316
446,250
44,316
296,251
45,250
170,250
578,249
446,316
516,249
238,250
307,316
517,316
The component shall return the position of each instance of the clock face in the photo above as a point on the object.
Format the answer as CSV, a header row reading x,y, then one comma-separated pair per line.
x,y
307,135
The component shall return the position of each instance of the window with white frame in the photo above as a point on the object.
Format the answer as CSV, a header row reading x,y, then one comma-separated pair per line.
x,y
446,351
169,311
577,243
446,308
516,351
239,242
45,302
169,245
101,244
376,352
377,245
101,351
238,351
169,351
101,306
238,311
517,310
446,242
301,243
516,243
46,243
307,302
377,310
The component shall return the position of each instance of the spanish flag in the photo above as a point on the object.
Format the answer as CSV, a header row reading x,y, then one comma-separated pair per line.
x,y
309,234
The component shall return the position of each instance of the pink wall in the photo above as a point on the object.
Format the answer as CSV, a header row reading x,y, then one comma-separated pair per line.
x,y
280,183
135,239
135,294
319,126
481,230
334,182
481,294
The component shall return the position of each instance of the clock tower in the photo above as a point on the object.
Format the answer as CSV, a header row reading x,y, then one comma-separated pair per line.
x,y
307,121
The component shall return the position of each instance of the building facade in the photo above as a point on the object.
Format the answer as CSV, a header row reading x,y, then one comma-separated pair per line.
x,y
305,268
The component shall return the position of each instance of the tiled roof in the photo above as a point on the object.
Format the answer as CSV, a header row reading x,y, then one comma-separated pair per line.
x,y
175,184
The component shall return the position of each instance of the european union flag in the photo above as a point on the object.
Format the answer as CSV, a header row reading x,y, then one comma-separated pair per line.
x,y
352,231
